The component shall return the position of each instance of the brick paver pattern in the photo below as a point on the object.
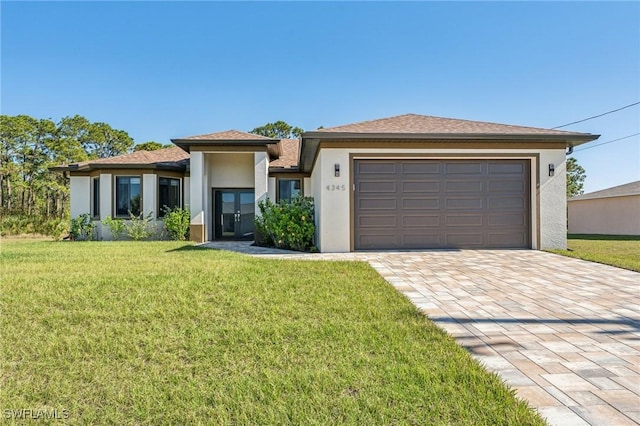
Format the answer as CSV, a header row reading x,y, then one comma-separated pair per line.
x,y
564,333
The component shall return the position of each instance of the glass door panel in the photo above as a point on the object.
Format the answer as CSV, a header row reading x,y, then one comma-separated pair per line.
x,y
246,213
234,211
228,214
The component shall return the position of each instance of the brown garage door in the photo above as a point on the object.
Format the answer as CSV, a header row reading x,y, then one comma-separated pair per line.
x,y
441,204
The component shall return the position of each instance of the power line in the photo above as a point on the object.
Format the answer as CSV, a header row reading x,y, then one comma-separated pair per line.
x,y
604,143
596,116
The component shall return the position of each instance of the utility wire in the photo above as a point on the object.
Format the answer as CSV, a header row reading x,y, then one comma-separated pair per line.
x,y
596,116
604,143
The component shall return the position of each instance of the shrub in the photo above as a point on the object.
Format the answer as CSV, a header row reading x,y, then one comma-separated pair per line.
x,y
177,223
15,224
82,228
286,225
116,227
139,227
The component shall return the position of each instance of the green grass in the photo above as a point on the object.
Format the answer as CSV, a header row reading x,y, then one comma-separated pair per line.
x,y
622,251
165,333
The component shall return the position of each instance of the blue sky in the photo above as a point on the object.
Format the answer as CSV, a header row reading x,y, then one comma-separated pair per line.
x,y
161,70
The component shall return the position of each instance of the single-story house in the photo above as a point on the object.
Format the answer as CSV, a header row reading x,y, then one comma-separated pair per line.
x,y
612,211
403,182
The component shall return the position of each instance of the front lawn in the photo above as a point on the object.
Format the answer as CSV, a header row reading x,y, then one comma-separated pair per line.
x,y
615,250
166,333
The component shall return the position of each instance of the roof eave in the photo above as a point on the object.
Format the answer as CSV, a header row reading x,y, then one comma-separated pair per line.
x,y
187,143
575,138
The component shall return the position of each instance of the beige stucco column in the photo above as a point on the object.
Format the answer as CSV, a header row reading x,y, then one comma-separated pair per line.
x,y
196,197
261,163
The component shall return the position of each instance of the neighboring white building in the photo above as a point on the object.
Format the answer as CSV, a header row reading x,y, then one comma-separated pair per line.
x,y
404,182
611,211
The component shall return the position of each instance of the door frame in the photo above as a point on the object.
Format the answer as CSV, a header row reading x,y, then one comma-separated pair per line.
x,y
217,224
533,177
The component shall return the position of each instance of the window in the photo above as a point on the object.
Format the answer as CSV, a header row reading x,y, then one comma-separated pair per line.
x,y
288,189
168,194
128,197
95,197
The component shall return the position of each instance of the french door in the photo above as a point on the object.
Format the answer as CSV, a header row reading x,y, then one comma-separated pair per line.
x,y
234,211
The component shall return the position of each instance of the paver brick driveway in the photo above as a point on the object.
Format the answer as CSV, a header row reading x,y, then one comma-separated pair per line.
x,y
564,333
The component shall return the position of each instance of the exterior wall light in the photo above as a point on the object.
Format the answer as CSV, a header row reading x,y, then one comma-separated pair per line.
x,y
336,169
552,169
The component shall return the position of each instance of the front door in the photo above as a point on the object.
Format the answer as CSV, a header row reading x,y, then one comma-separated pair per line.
x,y
234,211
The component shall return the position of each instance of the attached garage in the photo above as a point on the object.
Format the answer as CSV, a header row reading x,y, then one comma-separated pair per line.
x,y
441,203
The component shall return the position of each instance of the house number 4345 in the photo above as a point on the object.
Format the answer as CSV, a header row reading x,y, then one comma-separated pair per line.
x,y
336,188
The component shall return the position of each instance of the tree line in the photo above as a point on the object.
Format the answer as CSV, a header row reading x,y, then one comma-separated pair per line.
x,y
29,146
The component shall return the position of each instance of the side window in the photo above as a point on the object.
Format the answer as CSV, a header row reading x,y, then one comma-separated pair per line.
x,y
289,188
95,197
168,194
128,195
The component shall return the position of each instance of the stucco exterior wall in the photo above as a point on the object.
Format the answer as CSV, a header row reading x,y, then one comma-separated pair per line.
x,y
149,193
80,188
333,195
316,179
230,170
613,216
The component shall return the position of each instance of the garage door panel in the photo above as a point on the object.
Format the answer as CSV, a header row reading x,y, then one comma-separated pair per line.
x,y
502,203
420,167
377,241
504,167
506,219
470,239
421,240
463,186
377,168
377,186
467,204
377,204
464,203
464,220
420,186
510,239
504,186
409,221
421,203
377,221
462,168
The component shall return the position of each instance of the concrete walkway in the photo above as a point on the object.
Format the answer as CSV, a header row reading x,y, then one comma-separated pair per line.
x,y
564,333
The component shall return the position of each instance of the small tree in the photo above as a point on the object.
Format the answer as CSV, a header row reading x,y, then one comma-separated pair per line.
x,y
575,178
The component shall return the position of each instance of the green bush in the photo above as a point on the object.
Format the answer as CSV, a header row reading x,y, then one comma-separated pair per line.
x,y
82,228
286,225
22,224
177,223
116,227
139,227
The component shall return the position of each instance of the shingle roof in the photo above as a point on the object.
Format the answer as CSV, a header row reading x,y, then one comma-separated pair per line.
x,y
166,157
227,135
289,154
632,188
425,124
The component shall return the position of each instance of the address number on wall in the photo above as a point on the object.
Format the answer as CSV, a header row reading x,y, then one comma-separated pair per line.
x,y
336,188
